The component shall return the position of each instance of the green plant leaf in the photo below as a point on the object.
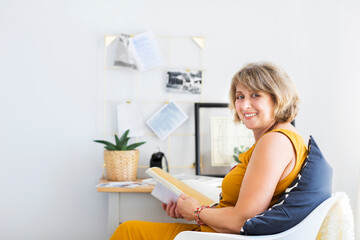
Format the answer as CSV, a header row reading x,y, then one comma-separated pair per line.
x,y
236,151
124,143
109,144
125,135
117,141
121,144
134,145
111,148
236,158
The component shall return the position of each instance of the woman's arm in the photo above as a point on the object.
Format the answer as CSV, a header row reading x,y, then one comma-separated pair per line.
x,y
273,159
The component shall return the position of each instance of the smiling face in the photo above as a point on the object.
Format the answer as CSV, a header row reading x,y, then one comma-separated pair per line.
x,y
269,78
255,109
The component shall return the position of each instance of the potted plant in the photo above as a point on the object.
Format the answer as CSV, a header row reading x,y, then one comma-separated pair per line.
x,y
238,151
121,160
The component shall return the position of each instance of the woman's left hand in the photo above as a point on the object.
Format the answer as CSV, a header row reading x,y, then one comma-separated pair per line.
x,y
171,210
187,206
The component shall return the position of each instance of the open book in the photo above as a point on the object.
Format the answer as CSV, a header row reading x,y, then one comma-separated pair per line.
x,y
169,188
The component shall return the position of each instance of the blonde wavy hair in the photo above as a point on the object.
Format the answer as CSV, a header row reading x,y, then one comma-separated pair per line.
x,y
267,77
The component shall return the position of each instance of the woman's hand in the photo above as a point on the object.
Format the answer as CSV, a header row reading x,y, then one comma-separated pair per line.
x,y
171,210
186,207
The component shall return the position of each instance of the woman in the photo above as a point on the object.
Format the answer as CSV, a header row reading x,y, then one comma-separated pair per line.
x,y
264,98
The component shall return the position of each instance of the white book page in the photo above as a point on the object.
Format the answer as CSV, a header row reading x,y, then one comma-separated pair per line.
x,y
164,194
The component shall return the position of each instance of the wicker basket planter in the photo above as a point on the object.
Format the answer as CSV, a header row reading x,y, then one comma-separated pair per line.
x,y
121,165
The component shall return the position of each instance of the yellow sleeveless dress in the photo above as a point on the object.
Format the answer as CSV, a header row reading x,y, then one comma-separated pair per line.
x,y
232,182
231,185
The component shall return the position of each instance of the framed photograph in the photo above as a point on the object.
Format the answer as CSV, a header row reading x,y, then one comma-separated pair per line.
x,y
216,136
186,81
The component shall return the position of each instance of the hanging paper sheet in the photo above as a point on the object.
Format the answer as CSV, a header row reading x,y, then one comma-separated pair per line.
x,y
166,120
129,116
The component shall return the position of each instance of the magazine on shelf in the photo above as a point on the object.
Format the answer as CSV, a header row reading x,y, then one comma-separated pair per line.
x,y
168,188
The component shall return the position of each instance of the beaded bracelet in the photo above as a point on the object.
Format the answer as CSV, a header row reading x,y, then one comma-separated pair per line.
x,y
197,215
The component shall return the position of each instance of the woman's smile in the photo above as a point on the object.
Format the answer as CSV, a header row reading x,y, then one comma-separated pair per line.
x,y
249,115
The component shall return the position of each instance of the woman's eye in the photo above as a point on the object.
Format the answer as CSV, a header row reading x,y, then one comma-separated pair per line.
x,y
255,95
240,97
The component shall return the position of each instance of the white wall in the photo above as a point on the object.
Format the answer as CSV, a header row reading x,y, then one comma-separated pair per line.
x,y
51,59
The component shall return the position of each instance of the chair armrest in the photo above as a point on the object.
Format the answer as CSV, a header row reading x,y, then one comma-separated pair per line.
x,y
193,235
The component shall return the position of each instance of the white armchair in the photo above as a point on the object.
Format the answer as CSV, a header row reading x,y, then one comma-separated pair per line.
x,y
306,229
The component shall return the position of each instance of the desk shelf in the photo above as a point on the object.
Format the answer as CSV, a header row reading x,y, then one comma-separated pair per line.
x,y
138,189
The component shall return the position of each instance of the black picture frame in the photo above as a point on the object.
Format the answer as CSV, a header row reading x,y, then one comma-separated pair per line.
x,y
198,107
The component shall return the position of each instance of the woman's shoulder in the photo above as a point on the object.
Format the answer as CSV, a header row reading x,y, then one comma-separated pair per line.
x,y
274,148
277,138
284,136
286,129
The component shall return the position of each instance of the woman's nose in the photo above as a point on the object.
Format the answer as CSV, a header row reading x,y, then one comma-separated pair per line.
x,y
246,104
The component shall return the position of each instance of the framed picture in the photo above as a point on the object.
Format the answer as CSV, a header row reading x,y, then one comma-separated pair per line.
x,y
216,136
184,81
